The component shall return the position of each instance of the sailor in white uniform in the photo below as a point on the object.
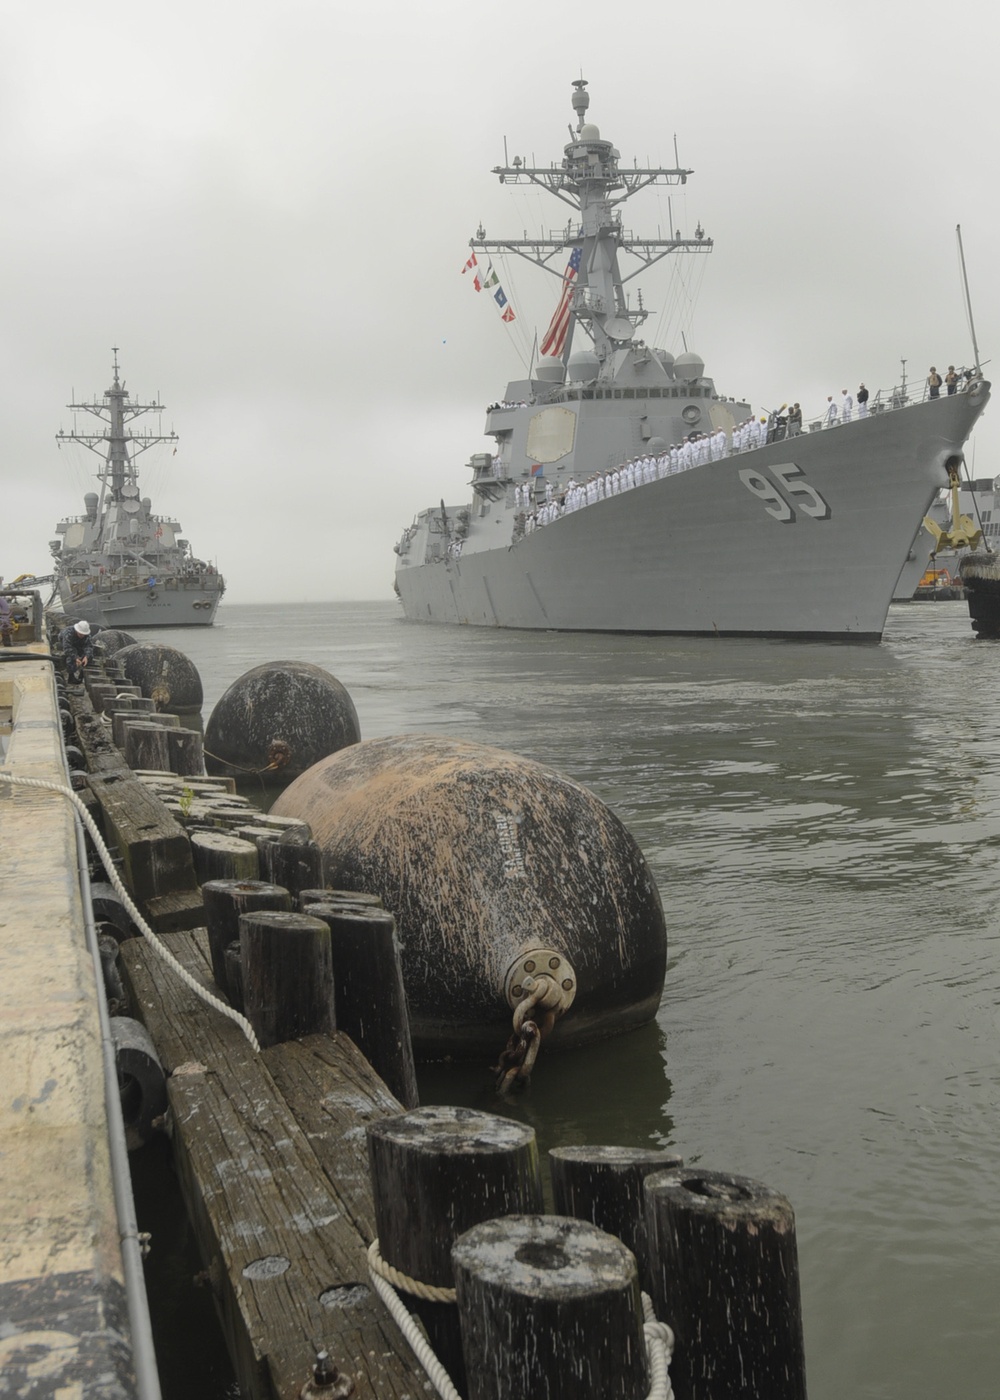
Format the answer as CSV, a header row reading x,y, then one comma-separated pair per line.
x,y
846,406
832,411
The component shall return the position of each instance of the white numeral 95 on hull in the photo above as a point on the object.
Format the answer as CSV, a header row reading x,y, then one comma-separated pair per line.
x,y
791,477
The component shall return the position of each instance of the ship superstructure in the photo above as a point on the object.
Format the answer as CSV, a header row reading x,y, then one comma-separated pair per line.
x,y
119,564
623,492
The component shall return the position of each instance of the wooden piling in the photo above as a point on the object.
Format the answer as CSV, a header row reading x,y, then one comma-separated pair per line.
x,y
256,833
234,975
225,901
294,861
219,856
604,1185
101,693
436,1172
287,975
146,746
550,1310
726,1279
122,713
370,996
187,756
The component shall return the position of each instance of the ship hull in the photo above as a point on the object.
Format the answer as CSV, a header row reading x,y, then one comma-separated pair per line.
x,y
139,607
801,538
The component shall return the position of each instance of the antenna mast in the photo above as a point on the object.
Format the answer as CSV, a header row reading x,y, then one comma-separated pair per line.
x,y
968,300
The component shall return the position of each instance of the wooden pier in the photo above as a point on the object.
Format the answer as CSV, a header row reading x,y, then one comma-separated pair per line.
x,y
270,1147
273,1165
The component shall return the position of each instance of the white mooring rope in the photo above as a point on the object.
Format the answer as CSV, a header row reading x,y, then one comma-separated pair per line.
x,y
109,865
386,1280
659,1350
432,1292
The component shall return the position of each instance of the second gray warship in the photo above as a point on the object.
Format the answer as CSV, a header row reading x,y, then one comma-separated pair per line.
x,y
624,493
118,564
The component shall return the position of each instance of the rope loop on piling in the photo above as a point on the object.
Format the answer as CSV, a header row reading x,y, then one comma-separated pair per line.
x,y
428,1291
385,1280
659,1350
419,1344
159,948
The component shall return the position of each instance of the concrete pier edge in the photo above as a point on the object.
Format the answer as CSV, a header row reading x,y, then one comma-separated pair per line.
x,y
63,1310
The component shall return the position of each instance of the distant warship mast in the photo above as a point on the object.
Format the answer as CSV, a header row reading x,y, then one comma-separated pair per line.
x,y
591,182
113,445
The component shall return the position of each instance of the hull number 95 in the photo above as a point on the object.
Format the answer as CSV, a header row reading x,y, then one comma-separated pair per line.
x,y
796,495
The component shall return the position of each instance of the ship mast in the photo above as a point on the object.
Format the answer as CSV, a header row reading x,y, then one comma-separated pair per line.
x,y
116,443
592,183
968,299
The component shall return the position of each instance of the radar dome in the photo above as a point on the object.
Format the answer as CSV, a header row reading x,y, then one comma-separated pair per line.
x,y
589,132
689,367
583,366
550,370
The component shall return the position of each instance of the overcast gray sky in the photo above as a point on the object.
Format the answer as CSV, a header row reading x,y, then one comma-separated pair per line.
x,y
267,207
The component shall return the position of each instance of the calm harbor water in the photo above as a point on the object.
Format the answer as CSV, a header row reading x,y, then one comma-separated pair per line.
x,y
824,826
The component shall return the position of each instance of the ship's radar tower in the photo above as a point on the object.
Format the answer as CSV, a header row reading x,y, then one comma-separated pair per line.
x,y
117,446
580,100
590,180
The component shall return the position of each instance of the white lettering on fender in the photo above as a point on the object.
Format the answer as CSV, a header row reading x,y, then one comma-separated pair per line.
x,y
792,478
510,848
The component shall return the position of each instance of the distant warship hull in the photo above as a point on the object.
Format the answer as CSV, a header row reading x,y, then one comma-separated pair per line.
x,y
730,547
173,603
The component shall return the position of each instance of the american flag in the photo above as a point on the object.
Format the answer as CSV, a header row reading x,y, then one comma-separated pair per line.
x,y
555,336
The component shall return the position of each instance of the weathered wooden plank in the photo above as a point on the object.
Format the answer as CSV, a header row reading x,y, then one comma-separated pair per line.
x,y
159,778
334,1093
94,738
154,848
286,1259
169,913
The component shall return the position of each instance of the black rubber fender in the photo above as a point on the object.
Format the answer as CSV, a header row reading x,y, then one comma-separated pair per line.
x,y
109,909
142,1084
114,992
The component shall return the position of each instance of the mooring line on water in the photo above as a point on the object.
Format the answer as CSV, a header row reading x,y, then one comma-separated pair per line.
x,y
271,767
107,861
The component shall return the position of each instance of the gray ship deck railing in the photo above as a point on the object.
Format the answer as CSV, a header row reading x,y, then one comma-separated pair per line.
x,y
882,401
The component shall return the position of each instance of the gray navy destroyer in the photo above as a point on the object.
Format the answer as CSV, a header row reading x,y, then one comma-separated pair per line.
x,y
118,564
624,493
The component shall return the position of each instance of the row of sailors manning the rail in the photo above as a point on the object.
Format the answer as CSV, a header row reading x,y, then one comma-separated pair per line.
x,y
698,448
695,450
